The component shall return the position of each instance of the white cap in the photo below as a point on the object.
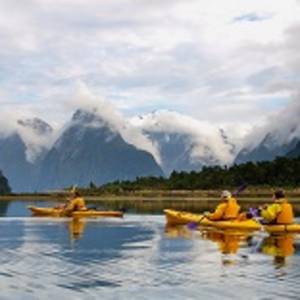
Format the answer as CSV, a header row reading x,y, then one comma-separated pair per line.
x,y
226,194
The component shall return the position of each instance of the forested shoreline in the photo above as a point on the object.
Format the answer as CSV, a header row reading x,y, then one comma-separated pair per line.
x,y
261,176
282,172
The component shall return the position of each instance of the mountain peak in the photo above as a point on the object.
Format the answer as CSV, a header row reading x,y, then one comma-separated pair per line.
x,y
85,116
38,126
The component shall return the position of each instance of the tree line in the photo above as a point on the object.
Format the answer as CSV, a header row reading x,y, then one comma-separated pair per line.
x,y
284,172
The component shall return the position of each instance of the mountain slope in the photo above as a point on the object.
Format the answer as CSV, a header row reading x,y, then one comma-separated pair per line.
x,y
14,164
185,144
278,137
90,150
267,150
295,152
21,151
177,152
4,186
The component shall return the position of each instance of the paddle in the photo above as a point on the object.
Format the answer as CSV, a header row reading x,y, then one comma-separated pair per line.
x,y
255,247
240,189
194,225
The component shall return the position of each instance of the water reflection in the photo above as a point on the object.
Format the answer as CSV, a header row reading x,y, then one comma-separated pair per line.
x,y
3,207
178,232
138,258
70,255
229,242
280,247
76,228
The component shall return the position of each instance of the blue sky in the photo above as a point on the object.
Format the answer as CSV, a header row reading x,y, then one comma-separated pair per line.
x,y
231,61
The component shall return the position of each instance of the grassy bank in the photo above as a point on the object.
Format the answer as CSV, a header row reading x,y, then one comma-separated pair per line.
x,y
158,204
155,194
249,193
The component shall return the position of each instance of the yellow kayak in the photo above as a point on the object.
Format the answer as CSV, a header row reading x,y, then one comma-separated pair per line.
x,y
182,218
282,228
58,212
175,217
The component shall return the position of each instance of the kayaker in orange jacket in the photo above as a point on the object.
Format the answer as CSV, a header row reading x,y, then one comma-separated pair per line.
x,y
228,209
279,212
76,203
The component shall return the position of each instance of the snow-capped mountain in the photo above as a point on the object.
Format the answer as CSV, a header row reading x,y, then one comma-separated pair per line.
x,y
278,137
185,144
90,149
21,150
267,150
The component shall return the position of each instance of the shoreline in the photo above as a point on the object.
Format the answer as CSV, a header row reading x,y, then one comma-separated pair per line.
x,y
153,204
154,195
247,198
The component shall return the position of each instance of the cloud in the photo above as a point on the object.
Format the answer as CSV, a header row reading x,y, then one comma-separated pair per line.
x,y
283,125
22,124
141,55
88,101
202,136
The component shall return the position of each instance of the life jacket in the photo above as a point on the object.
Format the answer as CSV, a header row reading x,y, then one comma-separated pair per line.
x,y
79,204
286,216
232,209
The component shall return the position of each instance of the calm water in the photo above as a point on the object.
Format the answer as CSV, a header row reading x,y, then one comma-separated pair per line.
x,y
138,258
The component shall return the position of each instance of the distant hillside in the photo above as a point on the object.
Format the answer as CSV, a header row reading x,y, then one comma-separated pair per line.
x,y
282,172
4,186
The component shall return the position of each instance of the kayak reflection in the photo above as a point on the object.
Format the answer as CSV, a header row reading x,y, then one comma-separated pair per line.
x,y
178,232
279,246
76,228
228,241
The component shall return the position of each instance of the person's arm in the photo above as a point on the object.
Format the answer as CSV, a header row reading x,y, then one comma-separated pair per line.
x,y
270,213
218,213
69,206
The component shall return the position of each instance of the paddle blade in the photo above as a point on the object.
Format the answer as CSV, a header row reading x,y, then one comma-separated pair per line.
x,y
192,225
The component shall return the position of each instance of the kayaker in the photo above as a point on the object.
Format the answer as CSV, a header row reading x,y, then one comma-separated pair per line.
x,y
228,209
279,212
76,203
